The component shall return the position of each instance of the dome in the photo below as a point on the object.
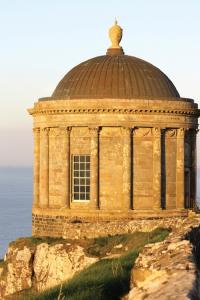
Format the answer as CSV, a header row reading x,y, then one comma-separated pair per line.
x,y
115,76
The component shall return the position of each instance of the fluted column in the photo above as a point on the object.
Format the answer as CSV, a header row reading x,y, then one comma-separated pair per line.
x,y
156,168
180,169
127,167
36,170
66,167
44,167
193,168
94,179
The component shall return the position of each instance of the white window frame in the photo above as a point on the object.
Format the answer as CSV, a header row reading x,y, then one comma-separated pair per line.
x,y
83,180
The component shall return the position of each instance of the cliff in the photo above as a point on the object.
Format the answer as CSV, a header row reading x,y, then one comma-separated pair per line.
x,y
153,264
167,270
40,264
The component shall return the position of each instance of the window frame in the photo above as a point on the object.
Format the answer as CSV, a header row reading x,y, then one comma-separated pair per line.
x,y
79,177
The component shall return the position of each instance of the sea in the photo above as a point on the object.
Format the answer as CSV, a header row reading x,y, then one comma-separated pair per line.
x,y
16,186
16,189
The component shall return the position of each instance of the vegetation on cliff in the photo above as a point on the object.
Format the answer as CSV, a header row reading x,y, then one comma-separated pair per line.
x,y
109,278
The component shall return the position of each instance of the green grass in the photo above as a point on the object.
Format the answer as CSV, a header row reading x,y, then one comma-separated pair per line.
x,y
34,241
102,245
107,279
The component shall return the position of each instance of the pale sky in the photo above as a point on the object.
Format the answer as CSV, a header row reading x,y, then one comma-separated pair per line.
x,y
41,40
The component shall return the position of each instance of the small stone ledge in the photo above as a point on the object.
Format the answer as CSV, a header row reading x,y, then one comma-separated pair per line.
x,y
166,270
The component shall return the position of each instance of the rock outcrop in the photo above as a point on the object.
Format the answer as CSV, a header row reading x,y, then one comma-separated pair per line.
x,y
40,267
166,270
55,264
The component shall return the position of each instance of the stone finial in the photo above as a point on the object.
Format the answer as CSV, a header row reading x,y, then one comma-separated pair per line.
x,y
115,35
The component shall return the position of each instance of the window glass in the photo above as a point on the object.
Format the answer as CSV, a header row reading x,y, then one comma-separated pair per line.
x,y
81,177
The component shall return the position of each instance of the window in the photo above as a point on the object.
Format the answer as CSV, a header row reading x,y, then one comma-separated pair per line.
x,y
81,177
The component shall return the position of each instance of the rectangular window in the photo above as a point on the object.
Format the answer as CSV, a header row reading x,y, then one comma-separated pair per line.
x,y
81,177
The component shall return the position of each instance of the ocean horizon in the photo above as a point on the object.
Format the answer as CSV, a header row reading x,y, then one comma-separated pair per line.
x,y
16,192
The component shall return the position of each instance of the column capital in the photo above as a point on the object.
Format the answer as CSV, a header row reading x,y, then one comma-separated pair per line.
x,y
36,130
181,132
142,132
126,130
156,131
195,130
94,130
53,131
45,130
171,132
65,130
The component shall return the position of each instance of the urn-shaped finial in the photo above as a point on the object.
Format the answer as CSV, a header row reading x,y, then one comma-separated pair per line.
x,y
115,35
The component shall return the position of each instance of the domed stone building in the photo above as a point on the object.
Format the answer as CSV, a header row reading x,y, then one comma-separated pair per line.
x,y
115,140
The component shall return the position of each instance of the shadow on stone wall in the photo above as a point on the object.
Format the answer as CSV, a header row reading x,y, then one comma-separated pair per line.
x,y
194,237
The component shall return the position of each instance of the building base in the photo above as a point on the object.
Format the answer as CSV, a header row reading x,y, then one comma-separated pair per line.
x,y
56,222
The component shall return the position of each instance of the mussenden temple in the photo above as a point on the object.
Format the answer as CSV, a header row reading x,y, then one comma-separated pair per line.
x,y
115,140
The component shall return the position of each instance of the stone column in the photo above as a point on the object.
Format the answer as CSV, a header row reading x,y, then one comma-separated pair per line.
x,y
66,167
44,167
156,132
193,133
127,132
94,166
36,170
180,169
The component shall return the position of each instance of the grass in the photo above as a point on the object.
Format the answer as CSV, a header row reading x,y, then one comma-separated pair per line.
x,y
102,246
108,279
3,265
32,242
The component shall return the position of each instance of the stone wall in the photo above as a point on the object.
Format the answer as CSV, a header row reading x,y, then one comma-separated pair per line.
x,y
73,227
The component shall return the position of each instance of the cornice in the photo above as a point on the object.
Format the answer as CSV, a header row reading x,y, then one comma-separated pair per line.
x,y
188,112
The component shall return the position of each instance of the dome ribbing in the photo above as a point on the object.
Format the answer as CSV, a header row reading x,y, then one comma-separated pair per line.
x,y
116,77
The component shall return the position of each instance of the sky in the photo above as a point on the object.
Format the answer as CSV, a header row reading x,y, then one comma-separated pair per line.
x,y
41,40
